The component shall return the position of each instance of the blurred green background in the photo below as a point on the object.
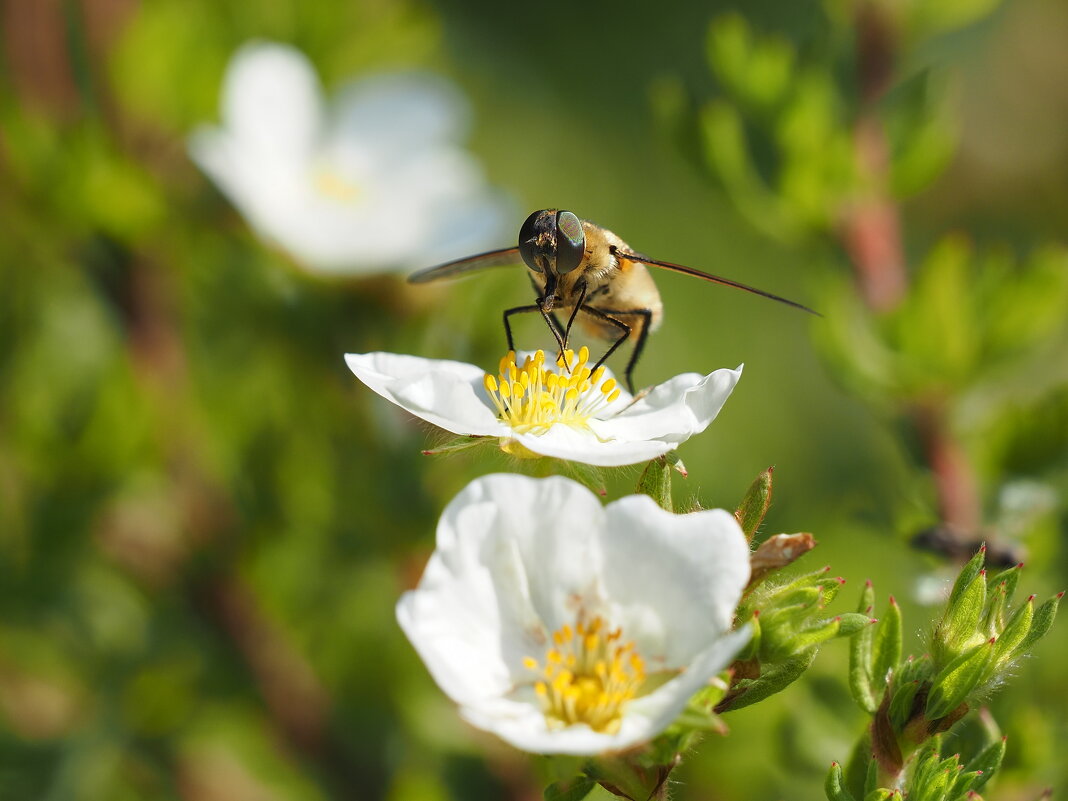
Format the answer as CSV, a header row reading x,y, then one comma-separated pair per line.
x,y
205,520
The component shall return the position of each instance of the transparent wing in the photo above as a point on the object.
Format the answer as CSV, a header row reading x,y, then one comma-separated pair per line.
x,y
715,279
483,261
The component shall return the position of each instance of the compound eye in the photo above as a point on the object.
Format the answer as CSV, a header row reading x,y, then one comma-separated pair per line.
x,y
570,242
528,239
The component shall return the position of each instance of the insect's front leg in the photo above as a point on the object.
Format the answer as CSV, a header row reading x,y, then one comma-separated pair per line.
x,y
518,310
644,316
579,303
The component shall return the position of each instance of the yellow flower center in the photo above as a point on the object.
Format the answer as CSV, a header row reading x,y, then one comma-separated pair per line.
x,y
333,186
588,676
533,398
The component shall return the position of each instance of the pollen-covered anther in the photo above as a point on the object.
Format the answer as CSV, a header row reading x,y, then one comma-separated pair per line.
x,y
532,397
587,676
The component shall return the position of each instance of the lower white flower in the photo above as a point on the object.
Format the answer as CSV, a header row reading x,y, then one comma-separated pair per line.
x,y
568,627
537,408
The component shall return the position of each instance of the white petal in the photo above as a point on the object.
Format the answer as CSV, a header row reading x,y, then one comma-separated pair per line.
x,y
583,445
674,604
500,581
446,393
654,712
675,410
271,101
401,111
523,726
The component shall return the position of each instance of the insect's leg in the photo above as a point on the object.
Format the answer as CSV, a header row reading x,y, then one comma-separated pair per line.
x,y
579,302
645,318
517,310
554,326
622,326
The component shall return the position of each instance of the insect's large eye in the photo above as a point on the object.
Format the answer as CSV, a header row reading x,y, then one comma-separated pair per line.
x,y
528,239
570,242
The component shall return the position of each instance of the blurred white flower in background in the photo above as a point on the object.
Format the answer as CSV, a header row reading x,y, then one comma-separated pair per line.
x,y
567,627
375,181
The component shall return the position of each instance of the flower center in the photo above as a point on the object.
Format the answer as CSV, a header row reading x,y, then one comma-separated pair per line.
x,y
533,398
329,184
587,677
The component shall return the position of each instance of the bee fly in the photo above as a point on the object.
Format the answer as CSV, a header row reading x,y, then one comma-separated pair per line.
x,y
576,266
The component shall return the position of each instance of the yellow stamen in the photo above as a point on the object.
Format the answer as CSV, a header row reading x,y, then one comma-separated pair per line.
x,y
532,398
588,677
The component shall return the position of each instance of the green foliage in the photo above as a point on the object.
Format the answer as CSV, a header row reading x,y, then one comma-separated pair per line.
x,y
975,642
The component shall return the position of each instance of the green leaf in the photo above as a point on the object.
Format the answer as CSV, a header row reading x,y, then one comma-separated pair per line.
x,y
774,678
655,482
834,786
1015,632
958,680
901,702
959,627
886,650
590,476
967,574
1041,623
571,790
860,647
754,506
1010,577
987,762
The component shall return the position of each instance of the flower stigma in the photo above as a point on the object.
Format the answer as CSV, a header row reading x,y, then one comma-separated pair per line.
x,y
532,398
588,676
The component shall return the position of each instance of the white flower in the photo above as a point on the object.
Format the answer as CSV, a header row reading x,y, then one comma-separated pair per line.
x,y
377,181
529,573
549,411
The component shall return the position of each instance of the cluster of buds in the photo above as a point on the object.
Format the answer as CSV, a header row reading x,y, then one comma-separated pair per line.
x,y
789,620
933,779
978,638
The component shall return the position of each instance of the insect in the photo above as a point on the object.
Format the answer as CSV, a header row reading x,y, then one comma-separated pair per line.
x,y
578,268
